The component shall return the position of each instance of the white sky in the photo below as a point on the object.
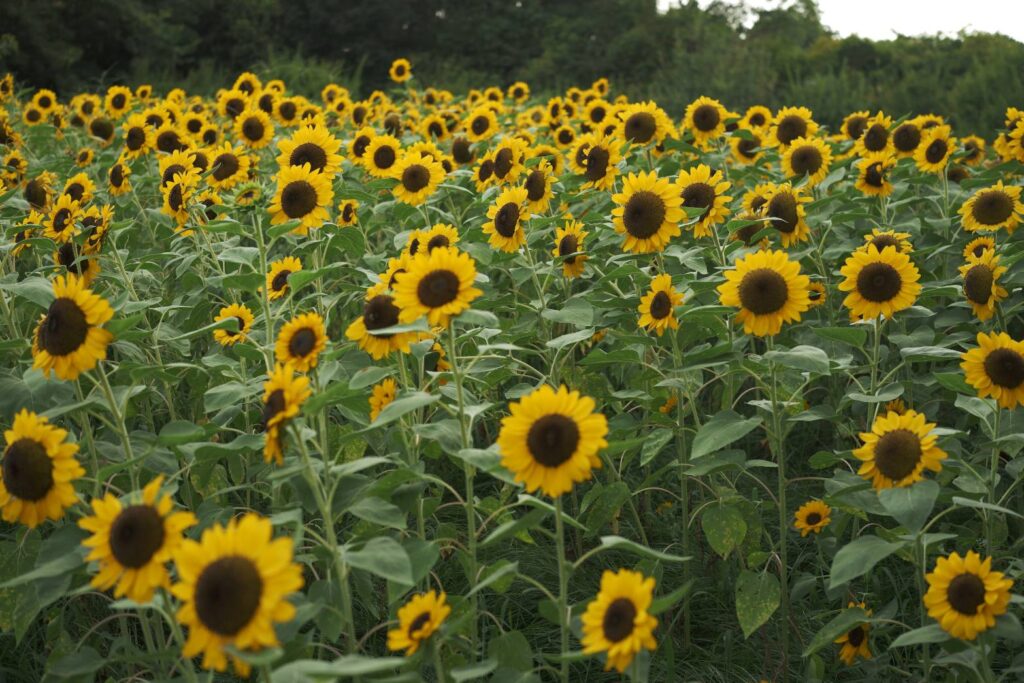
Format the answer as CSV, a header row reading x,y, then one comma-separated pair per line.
x,y
883,19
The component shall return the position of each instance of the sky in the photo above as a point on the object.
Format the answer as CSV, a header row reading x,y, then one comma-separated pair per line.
x,y
883,19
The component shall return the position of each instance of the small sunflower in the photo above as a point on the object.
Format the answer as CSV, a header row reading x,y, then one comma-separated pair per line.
x,y
118,101
37,471
657,307
519,91
978,246
379,312
382,153
438,284
418,619
283,395
382,395
993,208
538,184
996,369
118,182
178,161
61,225
647,212
438,236
888,238
348,212
303,195
873,174
617,621
83,158
178,196
854,125
80,188
808,157
769,290
505,220
812,517
965,596
817,293
791,123
784,211
855,641
705,119
313,145
935,149
134,543
974,150
77,262
569,248
230,166
703,188
232,586
418,177
481,124
244,320
69,338
879,282
169,138
599,163
644,123
254,128
898,449
277,278
301,340
876,138
981,283
401,70
551,440
748,148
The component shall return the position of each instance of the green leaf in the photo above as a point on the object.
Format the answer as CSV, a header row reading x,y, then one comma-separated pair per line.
x,y
844,622
853,336
577,312
806,358
982,505
402,406
925,353
502,569
665,602
572,338
884,394
384,557
179,432
720,431
757,598
858,557
910,505
379,511
80,663
932,633
654,443
472,672
368,376
619,543
724,527
312,670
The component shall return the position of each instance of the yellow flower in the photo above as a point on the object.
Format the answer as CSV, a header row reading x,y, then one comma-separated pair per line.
x,y
569,247
855,641
418,619
283,395
244,319
657,307
301,341
812,517
879,282
898,449
436,284
506,217
702,188
303,195
993,208
383,394
617,621
647,212
769,290
981,283
996,369
69,338
400,71
965,596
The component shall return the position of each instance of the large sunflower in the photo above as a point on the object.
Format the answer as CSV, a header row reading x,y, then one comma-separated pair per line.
x,y
873,175
812,517
879,282
436,284
965,596
313,145
644,123
769,290
784,210
617,621
301,340
702,188
418,619
996,369
705,118
381,156
992,208
898,449
505,220
551,440
569,248
133,543
981,283
37,471
418,177
232,585
791,123
69,339
230,166
303,195
243,318
647,212
855,641
936,147
808,157
657,307
254,128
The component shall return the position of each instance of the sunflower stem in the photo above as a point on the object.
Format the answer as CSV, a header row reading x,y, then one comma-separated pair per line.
x,y
268,322
89,440
438,664
993,481
563,591
684,481
926,650
122,430
777,441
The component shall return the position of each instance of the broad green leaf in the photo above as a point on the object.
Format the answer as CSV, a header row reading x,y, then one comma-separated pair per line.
x,y
932,633
757,598
858,557
911,505
852,336
724,527
806,358
402,406
382,556
842,623
720,431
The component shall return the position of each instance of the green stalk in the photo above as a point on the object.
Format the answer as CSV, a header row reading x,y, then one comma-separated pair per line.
x,y
993,482
684,482
777,441
563,590
119,422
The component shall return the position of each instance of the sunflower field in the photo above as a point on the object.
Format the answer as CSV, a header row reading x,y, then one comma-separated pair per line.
x,y
494,386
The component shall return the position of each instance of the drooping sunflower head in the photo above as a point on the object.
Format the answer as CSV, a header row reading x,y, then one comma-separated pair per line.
x,y
418,619
301,341
768,289
965,595
37,471
418,176
705,119
704,188
569,248
812,517
303,195
981,276
657,307
551,440
505,220
855,641
873,175
807,157
617,621
898,449
995,368
993,208
69,338
647,212
784,210
436,284
879,282
791,123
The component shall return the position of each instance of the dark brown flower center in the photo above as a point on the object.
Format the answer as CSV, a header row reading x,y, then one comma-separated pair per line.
x,y
503,162
302,343
790,128
597,158
936,151
506,220
418,623
806,160
118,100
384,157
227,594
175,198
415,177
966,593
288,110
536,185
116,175
855,127
873,175
661,306
348,213
640,127
856,636
907,137
978,283
619,619
763,291
136,534
64,328
897,454
36,194
706,118
699,196
437,288
309,153
992,207
567,246
879,282
27,470
252,129
102,128
813,518
553,439
782,209
234,107
225,166
60,219
274,404
461,151
280,280
1005,367
748,148
379,313
67,258
359,145
298,199
643,214
876,138
436,242
479,125
883,241
170,172
393,124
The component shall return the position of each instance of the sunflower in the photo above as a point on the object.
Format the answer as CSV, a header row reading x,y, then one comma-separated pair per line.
x,y
809,157
438,284
481,124
230,166
231,103
433,127
418,619
617,621
118,182
508,157
80,188
348,212
981,283
133,544
381,155
538,187
657,307
747,148
553,156
301,340
769,290
906,138
644,123
483,174
935,149
303,195
992,208
596,112
233,584
506,217
519,91
178,161
647,212
401,70
965,596
283,395
32,115
888,238
38,192
83,158
438,236
244,320
178,197
996,369
569,248
873,175
817,293
69,339
551,440
876,138
313,145
564,135
418,177
379,312
705,118
254,128
978,246
61,223
784,210
600,162
812,517
879,282
169,138
898,449
855,641
854,125
45,100
383,394
37,471
118,101
702,188
974,150
791,123
277,278
83,265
